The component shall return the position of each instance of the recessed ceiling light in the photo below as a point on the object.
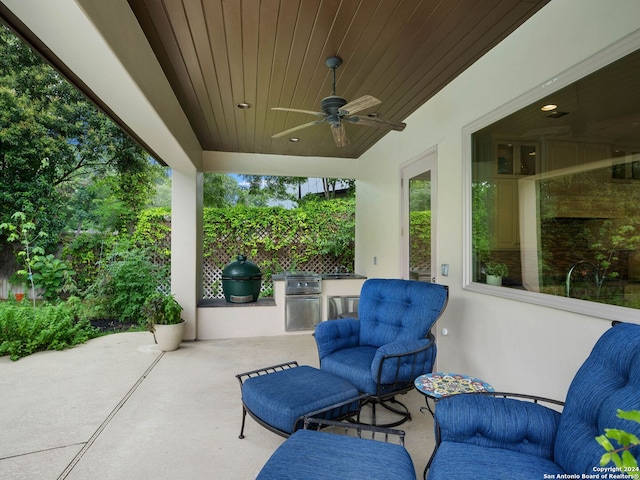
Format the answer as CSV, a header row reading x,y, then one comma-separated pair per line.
x,y
294,139
549,107
244,106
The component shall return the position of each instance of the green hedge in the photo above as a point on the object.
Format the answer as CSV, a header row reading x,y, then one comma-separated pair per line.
x,y
316,229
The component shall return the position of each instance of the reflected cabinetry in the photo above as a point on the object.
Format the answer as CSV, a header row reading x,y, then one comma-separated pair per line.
x,y
512,160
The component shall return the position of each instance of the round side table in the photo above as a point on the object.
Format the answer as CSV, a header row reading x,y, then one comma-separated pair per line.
x,y
440,384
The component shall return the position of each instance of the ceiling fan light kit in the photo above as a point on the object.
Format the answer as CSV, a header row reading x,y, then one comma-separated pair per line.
x,y
335,109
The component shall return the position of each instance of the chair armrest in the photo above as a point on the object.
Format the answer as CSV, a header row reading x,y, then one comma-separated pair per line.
x,y
403,361
335,335
265,371
525,426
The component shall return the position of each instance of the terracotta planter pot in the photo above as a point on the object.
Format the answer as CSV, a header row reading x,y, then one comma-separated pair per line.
x,y
19,296
169,337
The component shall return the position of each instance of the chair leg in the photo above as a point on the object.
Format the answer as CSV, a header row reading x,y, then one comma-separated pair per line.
x,y
403,411
244,417
373,414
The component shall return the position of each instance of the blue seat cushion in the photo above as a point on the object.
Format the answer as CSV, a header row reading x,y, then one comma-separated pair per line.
x,y
463,461
279,399
354,365
326,456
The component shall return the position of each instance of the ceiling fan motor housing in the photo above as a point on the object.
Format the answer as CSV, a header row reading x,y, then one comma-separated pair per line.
x,y
331,106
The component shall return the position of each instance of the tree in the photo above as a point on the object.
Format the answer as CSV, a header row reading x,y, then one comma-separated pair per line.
x,y
276,188
220,190
288,188
55,145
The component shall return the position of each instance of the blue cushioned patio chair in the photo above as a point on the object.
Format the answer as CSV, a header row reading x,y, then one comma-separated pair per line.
x,y
389,345
491,436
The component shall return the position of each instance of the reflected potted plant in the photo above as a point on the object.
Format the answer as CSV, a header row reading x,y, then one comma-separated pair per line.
x,y
161,313
495,271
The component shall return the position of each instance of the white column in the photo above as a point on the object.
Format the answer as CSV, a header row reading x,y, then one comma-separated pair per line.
x,y
186,245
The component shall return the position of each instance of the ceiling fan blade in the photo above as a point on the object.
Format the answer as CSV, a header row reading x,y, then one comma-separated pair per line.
x,y
340,135
295,129
297,110
359,104
378,122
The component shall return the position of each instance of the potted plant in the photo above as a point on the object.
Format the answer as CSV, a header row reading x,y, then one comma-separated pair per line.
x,y
495,271
19,281
161,312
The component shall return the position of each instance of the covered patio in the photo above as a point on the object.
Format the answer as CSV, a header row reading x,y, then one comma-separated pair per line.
x,y
118,408
519,341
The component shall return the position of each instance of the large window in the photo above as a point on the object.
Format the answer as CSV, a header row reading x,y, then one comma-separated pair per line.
x,y
555,192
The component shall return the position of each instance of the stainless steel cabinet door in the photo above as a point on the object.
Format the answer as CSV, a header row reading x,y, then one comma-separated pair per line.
x,y
302,312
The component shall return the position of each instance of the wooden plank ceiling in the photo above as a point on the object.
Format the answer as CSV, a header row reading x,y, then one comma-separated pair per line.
x,y
271,53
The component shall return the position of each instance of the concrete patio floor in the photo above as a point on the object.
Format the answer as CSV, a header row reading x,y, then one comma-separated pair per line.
x,y
118,408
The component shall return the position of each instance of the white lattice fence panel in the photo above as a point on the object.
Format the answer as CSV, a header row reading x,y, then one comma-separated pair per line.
x,y
212,273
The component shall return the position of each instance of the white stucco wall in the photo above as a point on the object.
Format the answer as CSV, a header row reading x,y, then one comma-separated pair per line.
x,y
516,346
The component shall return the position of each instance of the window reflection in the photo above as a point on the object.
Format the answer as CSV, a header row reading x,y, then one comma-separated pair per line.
x,y
556,195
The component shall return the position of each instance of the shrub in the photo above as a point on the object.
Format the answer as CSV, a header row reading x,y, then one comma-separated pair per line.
x,y
52,275
127,278
25,330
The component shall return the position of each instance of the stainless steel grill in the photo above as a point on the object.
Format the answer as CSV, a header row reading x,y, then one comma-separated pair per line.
x,y
302,283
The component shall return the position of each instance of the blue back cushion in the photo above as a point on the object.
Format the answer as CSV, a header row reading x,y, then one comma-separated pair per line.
x,y
395,310
607,381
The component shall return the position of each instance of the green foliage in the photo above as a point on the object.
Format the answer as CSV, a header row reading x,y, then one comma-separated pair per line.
x,y
52,275
316,228
20,279
220,191
161,309
25,330
612,238
23,232
154,231
420,234
84,254
127,278
621,456
420,195
480,198
496,269
62,161
264,188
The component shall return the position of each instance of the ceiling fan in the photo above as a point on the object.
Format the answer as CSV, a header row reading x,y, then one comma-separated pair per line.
x,y
336,110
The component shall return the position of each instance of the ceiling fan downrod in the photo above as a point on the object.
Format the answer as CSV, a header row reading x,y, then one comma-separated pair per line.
x,y
333,63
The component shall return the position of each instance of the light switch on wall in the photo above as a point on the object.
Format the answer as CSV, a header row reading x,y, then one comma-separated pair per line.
x,y
444,269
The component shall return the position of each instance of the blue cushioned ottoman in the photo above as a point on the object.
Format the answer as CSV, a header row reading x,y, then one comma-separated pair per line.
x,y
317,455
278,397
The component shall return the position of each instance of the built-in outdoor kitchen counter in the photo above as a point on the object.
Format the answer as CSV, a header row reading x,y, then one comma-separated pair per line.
x,y
267,317
310,297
